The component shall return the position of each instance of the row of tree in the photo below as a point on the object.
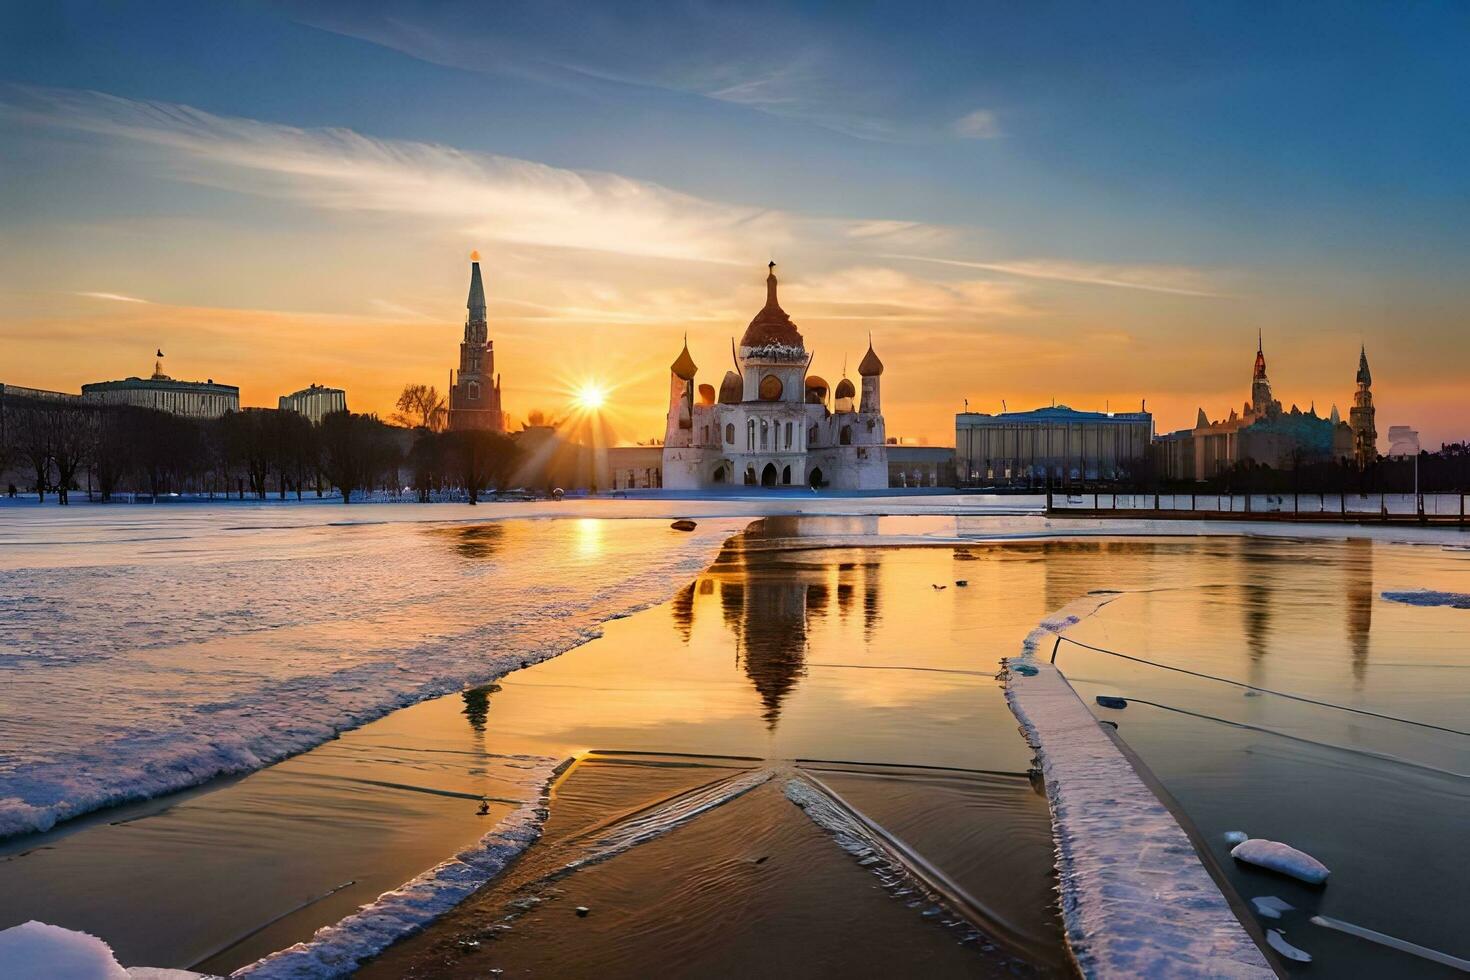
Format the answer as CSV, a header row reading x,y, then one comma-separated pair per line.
x,y
65,446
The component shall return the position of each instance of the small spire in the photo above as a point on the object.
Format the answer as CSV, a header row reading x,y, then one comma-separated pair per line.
x,y
476,303
771,284
1260,341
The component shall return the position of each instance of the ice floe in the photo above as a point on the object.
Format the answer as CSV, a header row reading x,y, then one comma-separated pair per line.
x,y
39,951
1281,858
1270,907
1429,597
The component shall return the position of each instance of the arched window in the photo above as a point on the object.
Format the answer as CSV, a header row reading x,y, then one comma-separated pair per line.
x,y
750,476
788,443
786,475
765,434
770,389
472,391
811,436
730,433
750,436
845,437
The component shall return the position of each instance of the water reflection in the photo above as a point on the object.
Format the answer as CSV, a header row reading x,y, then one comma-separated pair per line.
x,y
474,541
477,705
1358,594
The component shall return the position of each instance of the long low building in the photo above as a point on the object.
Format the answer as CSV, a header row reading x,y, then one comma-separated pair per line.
x,y
195,399
1056,444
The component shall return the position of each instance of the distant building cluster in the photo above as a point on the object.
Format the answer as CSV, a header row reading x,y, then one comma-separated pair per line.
x,y
1265,433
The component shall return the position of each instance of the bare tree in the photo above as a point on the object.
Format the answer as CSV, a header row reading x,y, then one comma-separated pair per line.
x,y
33,440
420,407
73,429
480,459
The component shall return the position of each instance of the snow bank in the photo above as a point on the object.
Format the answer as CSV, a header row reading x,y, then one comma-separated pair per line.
x,y
1136,901
337,950
1429,597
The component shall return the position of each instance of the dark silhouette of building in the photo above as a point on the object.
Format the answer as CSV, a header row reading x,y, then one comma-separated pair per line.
x,y
474,395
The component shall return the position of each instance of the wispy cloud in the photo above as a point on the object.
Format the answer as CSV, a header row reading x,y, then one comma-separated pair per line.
x,y
1177,280
978,125
488,197
113,297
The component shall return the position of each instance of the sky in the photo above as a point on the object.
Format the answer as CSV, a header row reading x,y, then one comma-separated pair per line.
x,y
1097,205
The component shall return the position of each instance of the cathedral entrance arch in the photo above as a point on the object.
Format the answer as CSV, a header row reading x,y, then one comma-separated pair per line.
x,y
786,476
750,476
816,477
721,473
768,475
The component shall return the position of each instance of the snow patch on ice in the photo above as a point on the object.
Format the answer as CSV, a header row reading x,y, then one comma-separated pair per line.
x,y
1429,597
1064,619
337,950
39,951
1281,858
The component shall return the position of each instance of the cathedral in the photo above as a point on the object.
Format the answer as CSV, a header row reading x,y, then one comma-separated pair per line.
x,y
474,395
771,424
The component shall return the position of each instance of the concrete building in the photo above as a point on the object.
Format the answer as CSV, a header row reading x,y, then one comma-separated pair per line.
x,y
195,399
913,467
1262,432
634,468
1049,445
771,424
316,402
474,395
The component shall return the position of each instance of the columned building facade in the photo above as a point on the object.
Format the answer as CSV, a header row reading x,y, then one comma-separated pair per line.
x,y
195,399
1056,445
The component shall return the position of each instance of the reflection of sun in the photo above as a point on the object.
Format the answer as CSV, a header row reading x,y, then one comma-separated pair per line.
x,y
590,395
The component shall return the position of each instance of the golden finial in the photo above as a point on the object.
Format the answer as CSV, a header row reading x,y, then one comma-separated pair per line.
x,y
475,255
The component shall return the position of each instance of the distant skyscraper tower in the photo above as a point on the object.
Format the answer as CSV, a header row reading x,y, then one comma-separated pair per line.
x,y
1360,417
474,396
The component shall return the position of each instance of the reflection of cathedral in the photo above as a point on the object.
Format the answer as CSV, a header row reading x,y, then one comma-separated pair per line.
x,y
771,423
770,608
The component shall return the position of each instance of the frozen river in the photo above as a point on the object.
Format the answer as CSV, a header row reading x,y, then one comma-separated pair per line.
x,y
145,650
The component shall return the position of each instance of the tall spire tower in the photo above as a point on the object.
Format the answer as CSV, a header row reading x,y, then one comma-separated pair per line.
x,y
1261,401
1361,415
474,395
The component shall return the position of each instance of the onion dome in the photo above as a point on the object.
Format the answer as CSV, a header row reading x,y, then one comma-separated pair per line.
x,y
771,325
870,366
845,389
683,365
732,389
706,394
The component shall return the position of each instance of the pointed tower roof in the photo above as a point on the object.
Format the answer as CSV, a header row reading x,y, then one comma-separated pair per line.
x,y
1260,369
771,325
1365,377
870,366
683,365
476,303
1202,421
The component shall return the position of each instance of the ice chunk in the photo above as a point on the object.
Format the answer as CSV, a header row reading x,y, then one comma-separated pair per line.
x,y
1277,941
1233,837
1429,597
1270,907
37,951
1281,858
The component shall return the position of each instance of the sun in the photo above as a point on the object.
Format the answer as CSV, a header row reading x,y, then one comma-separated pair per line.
x,y
590,395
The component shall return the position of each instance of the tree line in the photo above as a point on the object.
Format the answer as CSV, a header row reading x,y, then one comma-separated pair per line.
x,y
63,447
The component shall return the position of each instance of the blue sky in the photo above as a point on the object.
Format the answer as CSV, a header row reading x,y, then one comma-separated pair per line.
x,y
1098,203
